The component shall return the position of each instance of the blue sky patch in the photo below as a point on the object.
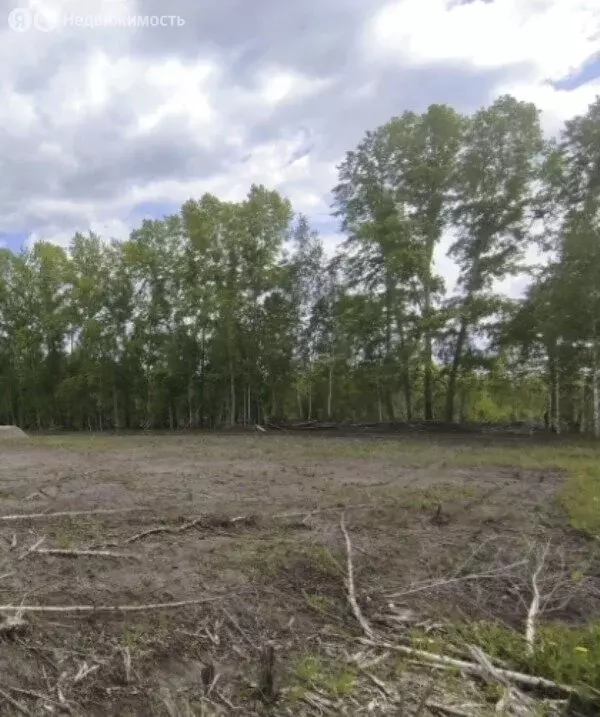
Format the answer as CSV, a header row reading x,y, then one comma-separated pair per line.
x,y
589,71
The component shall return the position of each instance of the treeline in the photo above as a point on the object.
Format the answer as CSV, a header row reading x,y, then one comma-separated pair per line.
x,y
233,313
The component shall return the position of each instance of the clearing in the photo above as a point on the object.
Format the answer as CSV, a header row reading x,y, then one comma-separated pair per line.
x,y
454,541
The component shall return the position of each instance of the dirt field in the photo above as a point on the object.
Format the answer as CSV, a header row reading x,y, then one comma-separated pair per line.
x,y
266,559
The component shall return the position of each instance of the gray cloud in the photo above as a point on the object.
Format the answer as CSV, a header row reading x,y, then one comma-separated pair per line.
x,y
313,35
99,158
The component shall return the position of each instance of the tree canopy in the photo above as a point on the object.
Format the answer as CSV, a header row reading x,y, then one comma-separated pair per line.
x,y
232,312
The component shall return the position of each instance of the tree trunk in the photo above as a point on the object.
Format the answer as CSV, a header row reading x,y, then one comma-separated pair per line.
x,y
190,398
408,394
330,389
201,408
115,409
231,396
464,402
596,390
553,390
428,356
389,406
557,402
454,369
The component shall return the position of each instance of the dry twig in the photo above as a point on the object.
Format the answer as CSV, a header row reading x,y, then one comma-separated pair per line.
x,y
17,705
67,514
32,549
163,529
83,553
106,608
33,694
367,629
535,602
473,668
448,710
430,585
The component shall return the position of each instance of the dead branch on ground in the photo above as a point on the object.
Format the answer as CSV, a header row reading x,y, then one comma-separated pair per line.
x,y
68,514
367,629
164,529
534,607
174,530
83,553
107,608
473,668
17,705
431,585
482,667
32,549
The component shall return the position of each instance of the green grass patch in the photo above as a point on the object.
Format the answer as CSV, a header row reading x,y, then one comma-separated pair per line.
x,y
567,655
311,672
429,498
80,442
579,459
292,558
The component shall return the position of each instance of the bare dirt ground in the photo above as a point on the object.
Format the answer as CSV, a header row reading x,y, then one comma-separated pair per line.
x,y
249,528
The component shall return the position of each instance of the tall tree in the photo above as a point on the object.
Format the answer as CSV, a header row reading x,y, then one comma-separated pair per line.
x,y
425,149
495,176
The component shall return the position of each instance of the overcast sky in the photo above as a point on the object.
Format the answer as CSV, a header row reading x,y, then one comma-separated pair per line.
x,y
103,126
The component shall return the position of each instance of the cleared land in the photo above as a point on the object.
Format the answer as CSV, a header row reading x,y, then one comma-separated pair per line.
x,y
450,542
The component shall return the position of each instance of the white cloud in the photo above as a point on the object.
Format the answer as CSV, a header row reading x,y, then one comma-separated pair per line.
x,y
551,37
306,181
183,90
17,113
87,90
278,85
108,228
252,123
547,40
557,105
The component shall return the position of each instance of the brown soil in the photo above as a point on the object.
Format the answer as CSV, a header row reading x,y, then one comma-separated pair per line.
x,y
269,578
11,432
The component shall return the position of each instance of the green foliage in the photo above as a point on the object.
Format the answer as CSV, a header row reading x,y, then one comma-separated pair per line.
x,y
231,312
299,562
564,654
335,680
581,497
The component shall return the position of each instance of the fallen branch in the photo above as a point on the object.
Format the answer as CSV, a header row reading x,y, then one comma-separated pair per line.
x,y
83,553
449,581
448,710
106,608
380,684
367,629
33,694
67,514
173,530
13,624
164,529
535,603
17,705
32,549
473,668
84,671
238,627
331,509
